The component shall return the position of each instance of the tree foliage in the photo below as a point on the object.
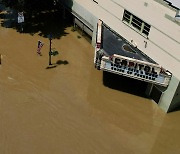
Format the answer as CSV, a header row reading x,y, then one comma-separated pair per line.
x,y
40,16
31,5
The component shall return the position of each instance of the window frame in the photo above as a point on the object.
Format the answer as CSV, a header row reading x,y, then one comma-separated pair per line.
x,y
136,23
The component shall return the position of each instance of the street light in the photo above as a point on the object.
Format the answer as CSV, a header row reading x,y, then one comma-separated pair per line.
x,y
51,52
50,38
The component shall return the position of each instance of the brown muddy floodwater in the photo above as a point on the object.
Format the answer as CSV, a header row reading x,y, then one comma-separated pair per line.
x,y
67,109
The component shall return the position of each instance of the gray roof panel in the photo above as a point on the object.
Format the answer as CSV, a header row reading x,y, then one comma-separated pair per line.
x,y
174,3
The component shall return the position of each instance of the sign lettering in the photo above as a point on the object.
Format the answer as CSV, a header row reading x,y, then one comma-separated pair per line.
x,y
136,66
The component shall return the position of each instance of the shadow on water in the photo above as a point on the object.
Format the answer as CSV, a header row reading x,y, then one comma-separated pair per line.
x,y
59,62
52,20
124,84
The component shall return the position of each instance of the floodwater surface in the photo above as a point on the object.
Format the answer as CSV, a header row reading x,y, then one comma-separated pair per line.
x,y
67,109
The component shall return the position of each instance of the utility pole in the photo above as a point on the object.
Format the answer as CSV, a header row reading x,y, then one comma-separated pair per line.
x,y
51,52
50,39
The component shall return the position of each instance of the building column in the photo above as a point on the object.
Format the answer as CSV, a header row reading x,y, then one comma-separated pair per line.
x,y
170,99
93,42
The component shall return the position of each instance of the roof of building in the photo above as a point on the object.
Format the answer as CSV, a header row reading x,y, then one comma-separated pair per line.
x,y
174,3
113,43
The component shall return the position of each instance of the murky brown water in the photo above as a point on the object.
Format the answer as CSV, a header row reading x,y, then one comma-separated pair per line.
x,y
67,109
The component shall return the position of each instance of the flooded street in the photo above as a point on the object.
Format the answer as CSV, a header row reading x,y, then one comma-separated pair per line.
x,y
67,109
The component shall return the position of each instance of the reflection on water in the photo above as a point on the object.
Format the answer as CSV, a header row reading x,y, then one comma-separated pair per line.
x,y
72,108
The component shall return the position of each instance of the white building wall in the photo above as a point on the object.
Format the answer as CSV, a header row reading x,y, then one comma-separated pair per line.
x,y
163,42
170,99
164,37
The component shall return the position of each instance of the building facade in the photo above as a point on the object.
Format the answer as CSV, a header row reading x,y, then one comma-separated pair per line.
x,y
151,25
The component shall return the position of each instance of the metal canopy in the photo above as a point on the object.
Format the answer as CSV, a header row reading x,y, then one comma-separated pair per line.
x,y
116,44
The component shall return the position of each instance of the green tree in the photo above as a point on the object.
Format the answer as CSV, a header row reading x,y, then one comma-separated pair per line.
x,y
40,16
31,5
